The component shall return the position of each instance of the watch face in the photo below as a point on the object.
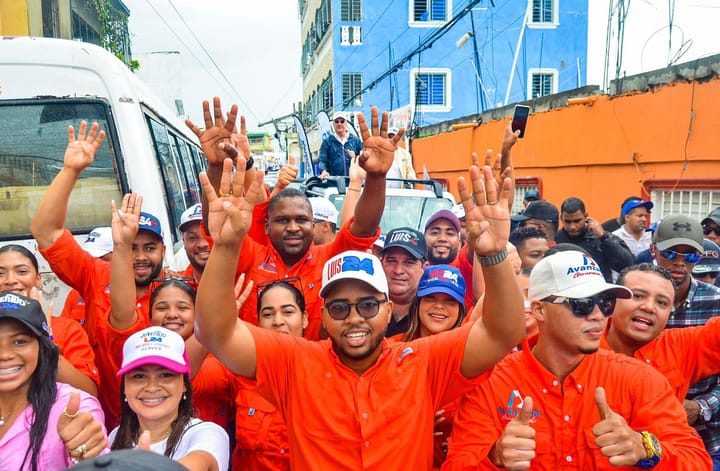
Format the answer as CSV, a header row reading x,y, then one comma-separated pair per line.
x,y
656,445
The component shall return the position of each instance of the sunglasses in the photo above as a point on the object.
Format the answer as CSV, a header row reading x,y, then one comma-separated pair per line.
x,y
583,307
291,280
671,255
158,283
367,308
340,120
707,230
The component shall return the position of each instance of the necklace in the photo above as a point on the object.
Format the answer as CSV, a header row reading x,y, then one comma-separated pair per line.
x,y
3,417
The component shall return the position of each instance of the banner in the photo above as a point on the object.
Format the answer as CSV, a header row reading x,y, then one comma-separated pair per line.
x,y
306,169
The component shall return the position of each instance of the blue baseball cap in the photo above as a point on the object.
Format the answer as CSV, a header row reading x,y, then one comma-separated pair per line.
x,y
150,223
444,279
632,204
532,195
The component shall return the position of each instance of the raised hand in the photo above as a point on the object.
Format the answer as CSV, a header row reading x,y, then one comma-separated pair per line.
x,y
378,150
242,294
487,214
288,173
516,448
240,139
622,445
216,132
82,435
356,172
80,152
230,209
144,441
126,219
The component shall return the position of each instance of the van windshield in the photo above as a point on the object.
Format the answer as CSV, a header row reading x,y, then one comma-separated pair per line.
x,y
33,137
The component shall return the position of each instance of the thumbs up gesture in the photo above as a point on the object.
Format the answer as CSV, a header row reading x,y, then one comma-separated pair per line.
x,y
144,441
516,448
288,173
621,444
83,436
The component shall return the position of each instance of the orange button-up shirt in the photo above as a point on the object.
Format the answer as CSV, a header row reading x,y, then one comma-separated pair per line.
x,y
380,420
564,414
212,392
75,346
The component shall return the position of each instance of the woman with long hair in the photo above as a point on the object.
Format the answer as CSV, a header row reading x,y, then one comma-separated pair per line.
x,y
156,400
20,274
44,425
260,430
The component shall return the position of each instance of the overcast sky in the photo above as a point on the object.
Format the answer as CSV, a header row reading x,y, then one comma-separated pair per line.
x,y
256,44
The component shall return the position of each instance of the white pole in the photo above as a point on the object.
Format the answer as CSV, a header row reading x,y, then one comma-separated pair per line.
x,y
517,52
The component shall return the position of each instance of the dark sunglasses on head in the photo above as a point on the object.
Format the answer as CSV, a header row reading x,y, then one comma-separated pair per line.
x,y
671,255
291,280
340,120
367,308
707,230
583,307
158,282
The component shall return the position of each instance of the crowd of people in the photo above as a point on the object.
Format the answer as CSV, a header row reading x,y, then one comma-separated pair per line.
x,y
295,340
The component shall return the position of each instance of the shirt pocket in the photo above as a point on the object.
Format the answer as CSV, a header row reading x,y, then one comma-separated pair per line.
x,y
251,424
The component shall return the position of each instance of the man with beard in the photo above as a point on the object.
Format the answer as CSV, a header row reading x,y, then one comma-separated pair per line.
x,y
677,247
197,245
90,276
563,402
340,396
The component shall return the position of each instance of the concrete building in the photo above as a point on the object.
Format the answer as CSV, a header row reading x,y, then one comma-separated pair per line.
x,y
429,61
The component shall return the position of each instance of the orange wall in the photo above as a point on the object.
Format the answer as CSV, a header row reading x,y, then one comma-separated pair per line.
x,y
600,152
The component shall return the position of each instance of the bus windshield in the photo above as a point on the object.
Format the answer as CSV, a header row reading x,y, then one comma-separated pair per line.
x,y
33,137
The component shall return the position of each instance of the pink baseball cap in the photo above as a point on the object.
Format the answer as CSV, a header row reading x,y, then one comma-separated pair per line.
x,y
155,346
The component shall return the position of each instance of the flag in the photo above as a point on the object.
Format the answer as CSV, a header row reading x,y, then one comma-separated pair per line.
x,y
306,169
426,176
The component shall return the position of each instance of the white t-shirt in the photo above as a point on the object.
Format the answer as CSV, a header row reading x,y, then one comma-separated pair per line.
x,y
205,436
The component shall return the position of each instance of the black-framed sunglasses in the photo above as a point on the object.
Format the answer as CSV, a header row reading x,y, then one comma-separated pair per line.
x,y
158,282
291,280
583,307
366,307
339,120
707,230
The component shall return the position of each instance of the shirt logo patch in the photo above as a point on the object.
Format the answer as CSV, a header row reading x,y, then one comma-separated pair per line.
x,y
514,405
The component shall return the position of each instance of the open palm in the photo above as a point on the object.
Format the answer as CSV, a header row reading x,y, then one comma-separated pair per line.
x,y
80,151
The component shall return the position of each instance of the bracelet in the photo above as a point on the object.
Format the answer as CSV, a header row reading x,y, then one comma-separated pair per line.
x,y
493,259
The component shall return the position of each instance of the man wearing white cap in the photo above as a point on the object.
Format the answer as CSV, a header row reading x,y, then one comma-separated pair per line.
x,y
325,218
197,245
402,165
562,401
342,397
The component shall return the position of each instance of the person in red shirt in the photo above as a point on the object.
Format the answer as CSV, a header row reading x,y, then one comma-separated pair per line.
x,y
195,242
341,396
85,273
260,430
564,403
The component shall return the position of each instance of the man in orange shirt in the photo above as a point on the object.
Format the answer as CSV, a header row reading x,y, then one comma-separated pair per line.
x,y
340,396
195,243
565,403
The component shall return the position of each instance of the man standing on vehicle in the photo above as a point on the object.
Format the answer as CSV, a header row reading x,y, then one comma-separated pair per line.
x,y
338,149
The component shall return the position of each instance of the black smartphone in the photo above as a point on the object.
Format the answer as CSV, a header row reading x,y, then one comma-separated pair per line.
x,y
520,118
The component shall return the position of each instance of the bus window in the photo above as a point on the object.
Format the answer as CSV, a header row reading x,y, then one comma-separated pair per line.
x,y
174,193
191,183
33,137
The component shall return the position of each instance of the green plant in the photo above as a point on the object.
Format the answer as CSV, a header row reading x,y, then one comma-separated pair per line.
x,y
114,31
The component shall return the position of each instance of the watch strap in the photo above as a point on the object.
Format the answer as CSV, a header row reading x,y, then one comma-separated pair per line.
x,y
493,259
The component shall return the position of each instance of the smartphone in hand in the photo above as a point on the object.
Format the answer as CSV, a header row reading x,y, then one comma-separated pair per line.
x,y
520,118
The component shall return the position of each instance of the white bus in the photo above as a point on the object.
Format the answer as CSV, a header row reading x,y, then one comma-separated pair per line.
x,y
48,84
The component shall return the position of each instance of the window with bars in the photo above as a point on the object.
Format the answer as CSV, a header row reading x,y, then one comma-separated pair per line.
x,y
352,86
350,10
431,89
695,203
542,83
429,10
543,11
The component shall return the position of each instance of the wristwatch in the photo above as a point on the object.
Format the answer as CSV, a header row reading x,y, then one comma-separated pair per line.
x,y
653,450
250,162
493,259
705,411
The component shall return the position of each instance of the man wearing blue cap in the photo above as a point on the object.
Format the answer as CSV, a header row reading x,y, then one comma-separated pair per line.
x,y
635,215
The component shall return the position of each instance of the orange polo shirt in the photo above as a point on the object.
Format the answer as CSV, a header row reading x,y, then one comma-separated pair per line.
x,y
261,262
564,414
212,392
380,420
260,431
683,356
75,346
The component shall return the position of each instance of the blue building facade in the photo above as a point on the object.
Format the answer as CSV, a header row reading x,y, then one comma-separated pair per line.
x,y
429,61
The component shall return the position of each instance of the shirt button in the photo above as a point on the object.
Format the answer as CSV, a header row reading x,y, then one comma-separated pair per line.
x,y
647,361
328,375
579,386
365,416
367,444
282,451
544,391
567,418
555,383
138,305
568,458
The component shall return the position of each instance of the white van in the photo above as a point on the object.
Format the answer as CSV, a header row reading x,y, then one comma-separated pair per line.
x,y
48,84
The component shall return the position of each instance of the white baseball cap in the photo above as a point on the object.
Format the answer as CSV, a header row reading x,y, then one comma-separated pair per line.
x,y
155,346
570,274
99,242
354,265
324,210
458,210
192,214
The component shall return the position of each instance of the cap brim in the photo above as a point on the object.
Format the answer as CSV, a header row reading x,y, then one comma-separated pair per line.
x,y
519,217
709,219
155,360
182,227
666,244
150,231
97,253
421,293
706,267
412,251
592,289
